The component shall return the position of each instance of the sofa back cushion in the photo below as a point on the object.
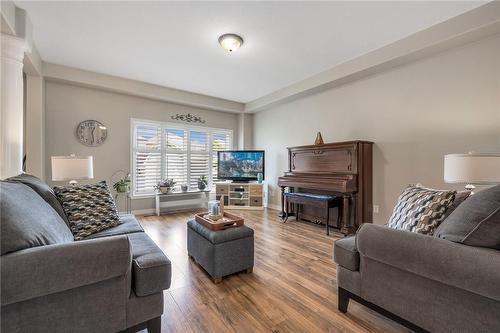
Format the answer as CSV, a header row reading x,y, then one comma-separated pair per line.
x,y
27,220
43,190
420,209
476,222
90,208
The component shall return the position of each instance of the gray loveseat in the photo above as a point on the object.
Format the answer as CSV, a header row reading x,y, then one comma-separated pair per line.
x,y
429,283
110,282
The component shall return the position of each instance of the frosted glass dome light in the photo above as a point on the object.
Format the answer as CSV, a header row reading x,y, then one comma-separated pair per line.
x,y
230,42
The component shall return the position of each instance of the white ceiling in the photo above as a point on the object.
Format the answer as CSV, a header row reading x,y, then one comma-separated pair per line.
x,y
174,44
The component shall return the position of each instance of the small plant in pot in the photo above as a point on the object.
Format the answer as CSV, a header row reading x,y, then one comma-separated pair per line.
x,y
202,182
122,185
165,186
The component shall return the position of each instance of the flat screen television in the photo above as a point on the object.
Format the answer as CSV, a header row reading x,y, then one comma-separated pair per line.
x,y
240,165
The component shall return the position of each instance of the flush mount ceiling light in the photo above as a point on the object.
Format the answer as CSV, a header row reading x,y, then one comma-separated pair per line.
x,y
230,42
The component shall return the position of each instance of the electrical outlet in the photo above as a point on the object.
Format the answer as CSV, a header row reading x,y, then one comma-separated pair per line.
x,y
375,209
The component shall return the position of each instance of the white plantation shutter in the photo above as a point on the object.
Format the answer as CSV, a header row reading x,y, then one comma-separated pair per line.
x,y
163,150
221,140
147,158
199,156
176,155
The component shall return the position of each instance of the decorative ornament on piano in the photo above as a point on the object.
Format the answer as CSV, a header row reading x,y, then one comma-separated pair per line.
x,y
319,139
189,118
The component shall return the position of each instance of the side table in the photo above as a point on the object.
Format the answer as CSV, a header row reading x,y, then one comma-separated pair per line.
x,y
128,200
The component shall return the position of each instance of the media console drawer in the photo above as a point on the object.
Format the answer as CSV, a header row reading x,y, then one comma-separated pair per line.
x,y
222,189
255,190
255,201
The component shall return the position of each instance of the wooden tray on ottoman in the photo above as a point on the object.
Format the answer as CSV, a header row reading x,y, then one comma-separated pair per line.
x,y
228,221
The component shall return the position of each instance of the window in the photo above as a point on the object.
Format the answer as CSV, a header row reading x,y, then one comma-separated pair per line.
x,y
184,153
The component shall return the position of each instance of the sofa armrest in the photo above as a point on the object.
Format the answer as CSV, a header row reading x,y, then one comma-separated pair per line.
x,y
152,273
471,268
346,254
45,270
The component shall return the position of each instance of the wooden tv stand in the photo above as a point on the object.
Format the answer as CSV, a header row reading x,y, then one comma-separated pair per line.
x,y
241,195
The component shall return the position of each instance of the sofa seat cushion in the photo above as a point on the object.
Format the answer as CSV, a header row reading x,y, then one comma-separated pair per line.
x,y
151,269
128,224
420,209
346,254
476,222
90,208
27,220
43,190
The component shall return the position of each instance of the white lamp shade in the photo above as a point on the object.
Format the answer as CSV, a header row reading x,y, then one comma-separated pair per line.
x,y
472,168
72,168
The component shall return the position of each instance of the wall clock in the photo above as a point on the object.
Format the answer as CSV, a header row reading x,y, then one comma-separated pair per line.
x,y
91,133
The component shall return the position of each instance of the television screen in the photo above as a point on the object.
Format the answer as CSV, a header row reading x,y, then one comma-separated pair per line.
x,y
240,164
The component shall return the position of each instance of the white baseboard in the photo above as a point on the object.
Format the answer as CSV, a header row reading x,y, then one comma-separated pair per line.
x,y
148,211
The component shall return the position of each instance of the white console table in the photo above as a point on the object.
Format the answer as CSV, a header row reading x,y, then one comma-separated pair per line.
x,y
165,196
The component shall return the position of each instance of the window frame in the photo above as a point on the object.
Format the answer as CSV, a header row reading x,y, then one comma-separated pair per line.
x,y
134,122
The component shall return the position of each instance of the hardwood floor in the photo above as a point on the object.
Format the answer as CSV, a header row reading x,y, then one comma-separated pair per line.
x,y
292,287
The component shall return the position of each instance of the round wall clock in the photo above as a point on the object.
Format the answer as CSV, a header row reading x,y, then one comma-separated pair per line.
x,y
91,133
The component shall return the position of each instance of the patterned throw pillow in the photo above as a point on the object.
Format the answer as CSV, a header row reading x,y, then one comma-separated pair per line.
x,y
90,208
421,210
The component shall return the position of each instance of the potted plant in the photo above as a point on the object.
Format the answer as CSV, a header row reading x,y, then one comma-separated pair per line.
x,y
122,185
202,183
165,186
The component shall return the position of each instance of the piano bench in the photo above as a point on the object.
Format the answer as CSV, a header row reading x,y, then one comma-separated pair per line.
x,y
317,200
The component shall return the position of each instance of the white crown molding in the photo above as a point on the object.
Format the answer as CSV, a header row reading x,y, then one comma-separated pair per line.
x,y
16,22
13,48
59,73
471,26
8,17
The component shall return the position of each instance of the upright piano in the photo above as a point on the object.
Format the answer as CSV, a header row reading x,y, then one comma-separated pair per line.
x,y
342,169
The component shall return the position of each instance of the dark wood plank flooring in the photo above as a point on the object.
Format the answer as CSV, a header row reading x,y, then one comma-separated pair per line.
x,y
292,287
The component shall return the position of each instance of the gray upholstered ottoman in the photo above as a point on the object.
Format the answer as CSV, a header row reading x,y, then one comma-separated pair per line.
x,y
223,252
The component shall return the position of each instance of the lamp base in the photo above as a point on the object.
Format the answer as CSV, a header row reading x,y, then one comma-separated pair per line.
x,y
470,188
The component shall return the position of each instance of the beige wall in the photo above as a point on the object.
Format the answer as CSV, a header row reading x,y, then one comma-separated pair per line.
x,y
415,114
67,105
35,126
245,126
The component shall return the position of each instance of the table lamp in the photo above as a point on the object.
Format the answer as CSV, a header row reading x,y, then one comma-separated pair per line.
x,y
72,168
472,169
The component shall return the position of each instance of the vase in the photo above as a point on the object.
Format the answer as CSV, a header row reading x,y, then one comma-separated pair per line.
x,y
260,177
184,188
201,186
319,139
122,189
165,189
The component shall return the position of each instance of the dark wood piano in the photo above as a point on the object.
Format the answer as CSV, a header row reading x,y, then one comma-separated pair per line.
x,y
342,169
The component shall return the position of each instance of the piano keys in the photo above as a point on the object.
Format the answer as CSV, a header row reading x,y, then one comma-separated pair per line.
x,y
342,168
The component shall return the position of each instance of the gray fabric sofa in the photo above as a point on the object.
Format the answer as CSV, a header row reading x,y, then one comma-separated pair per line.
x,y
424,282
112,281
